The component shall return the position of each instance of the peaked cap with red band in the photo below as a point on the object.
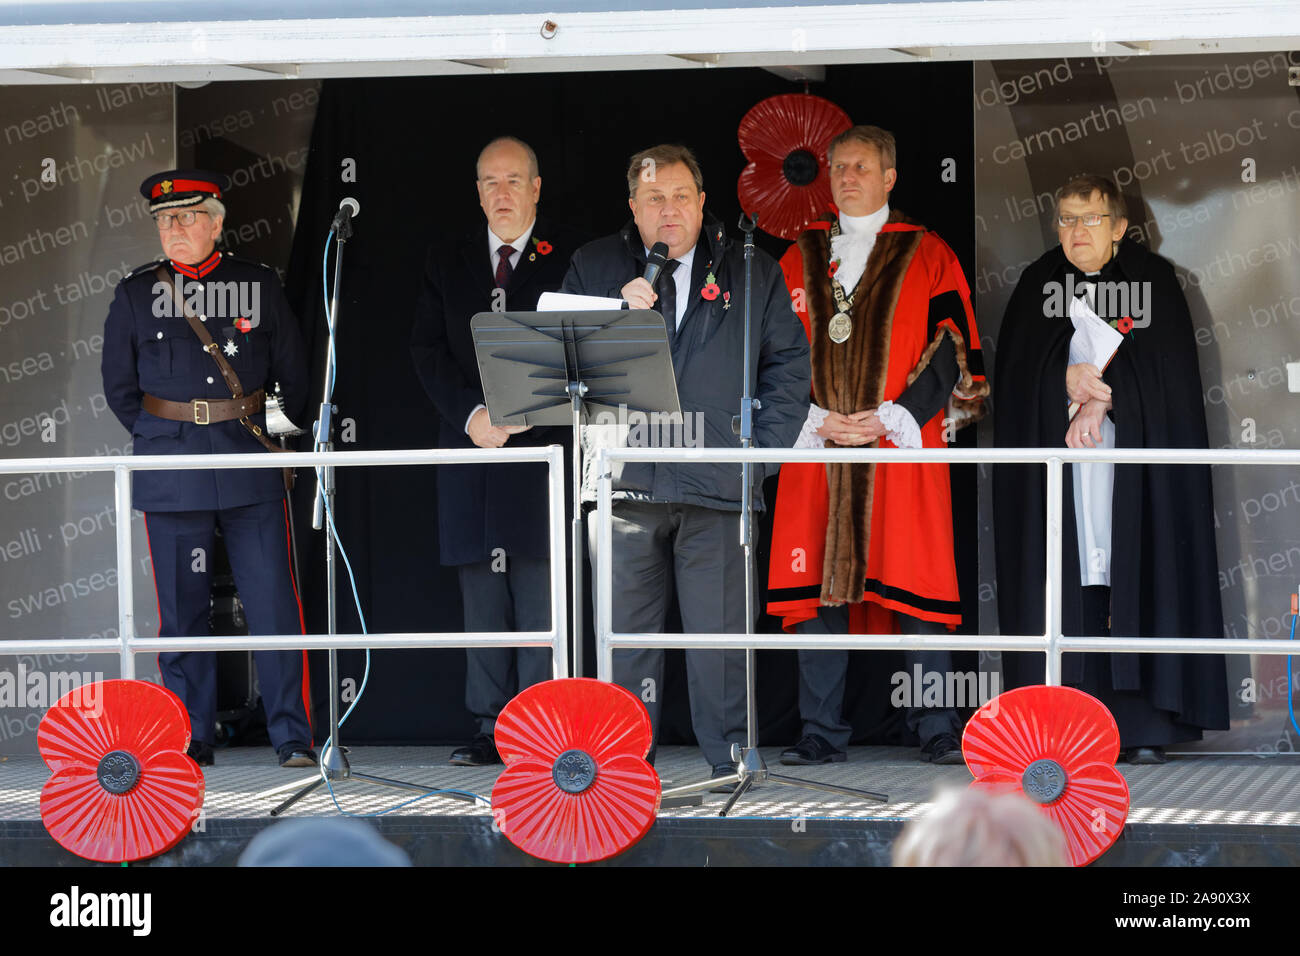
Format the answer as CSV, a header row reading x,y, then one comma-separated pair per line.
x,y
178,188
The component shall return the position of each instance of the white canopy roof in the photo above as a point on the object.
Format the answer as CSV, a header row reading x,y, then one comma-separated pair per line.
x,y
114,41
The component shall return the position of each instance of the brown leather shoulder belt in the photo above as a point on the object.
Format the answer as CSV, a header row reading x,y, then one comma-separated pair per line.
x,y
205,412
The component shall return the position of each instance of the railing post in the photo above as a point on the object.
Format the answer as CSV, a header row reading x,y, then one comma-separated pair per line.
x,y
559,535
125,577
604,571
1053,584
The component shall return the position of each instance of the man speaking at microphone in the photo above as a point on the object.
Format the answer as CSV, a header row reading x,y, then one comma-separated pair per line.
x,y
675,526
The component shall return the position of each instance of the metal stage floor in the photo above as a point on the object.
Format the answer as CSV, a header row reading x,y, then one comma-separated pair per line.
x,y
1184,812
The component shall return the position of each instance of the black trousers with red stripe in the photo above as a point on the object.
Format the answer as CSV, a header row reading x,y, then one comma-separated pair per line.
x,y
257,542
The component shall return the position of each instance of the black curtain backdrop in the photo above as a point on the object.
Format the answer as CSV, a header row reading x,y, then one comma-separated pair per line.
x,y
413,143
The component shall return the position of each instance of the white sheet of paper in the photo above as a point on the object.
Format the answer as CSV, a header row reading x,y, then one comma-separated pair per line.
x,y
1097,342
566,302
1093,341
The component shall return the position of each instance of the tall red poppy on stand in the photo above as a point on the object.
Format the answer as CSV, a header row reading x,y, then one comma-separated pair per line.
x,y
576,787
123,788
1057,746
786,182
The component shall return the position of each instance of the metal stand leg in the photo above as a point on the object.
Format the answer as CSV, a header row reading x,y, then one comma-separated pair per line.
x,y
333,760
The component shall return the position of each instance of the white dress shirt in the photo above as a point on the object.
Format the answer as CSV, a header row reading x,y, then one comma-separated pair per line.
x,y
1094,484
682,279
853,245
495,242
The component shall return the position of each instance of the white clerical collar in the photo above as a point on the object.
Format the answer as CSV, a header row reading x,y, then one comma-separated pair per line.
x,y
495,242
867,225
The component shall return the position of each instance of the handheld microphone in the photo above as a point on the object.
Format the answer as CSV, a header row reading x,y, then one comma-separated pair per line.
x,y
655,261
349,209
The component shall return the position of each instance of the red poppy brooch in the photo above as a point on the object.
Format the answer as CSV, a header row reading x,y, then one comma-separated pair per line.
x,y
123,788
710,290
577,787
1057,746
786,182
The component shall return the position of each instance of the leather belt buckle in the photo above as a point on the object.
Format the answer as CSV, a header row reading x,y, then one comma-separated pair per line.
x,y
200,405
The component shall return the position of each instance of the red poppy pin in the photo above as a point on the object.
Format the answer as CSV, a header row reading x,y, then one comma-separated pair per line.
x,y
543,246
834,268
1057,746
1125,325
710,290
122,786
244,325
576,788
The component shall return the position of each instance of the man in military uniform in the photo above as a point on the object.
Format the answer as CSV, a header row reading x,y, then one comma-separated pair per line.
x,y
176,398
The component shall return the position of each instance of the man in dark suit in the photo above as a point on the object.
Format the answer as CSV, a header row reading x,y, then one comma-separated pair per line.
x,y
675,524
176,399
492,518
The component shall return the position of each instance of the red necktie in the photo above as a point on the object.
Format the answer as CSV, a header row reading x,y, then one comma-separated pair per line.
x,y
503,266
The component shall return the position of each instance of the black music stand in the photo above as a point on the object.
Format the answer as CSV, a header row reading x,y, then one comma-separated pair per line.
x,y
557,368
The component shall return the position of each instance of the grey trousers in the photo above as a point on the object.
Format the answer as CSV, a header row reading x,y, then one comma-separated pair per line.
x,y
821,680
661,547
517,598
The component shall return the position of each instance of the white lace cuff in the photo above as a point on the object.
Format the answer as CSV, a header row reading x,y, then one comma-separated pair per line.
x,y
900,426
808,437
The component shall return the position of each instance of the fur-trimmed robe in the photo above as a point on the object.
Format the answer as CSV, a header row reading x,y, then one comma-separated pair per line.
x,y
858,533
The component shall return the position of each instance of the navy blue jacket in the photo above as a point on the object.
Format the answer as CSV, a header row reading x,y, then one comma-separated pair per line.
x,y
483,507
708,351
145,351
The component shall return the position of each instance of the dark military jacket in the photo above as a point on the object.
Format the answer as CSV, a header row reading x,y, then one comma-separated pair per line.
x,y
149,347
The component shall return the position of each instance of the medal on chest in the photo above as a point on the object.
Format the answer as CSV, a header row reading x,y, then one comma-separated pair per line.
x,y
841,324
840,328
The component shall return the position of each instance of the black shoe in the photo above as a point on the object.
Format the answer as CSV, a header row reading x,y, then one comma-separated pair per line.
x,y
296,754
724,770
1146,755
942,749
812,749
201,753
479,752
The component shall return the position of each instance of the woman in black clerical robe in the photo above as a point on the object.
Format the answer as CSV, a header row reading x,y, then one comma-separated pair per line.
x,y
1160,567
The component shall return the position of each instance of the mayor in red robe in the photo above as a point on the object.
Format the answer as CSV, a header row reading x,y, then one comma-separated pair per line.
x,y
863,548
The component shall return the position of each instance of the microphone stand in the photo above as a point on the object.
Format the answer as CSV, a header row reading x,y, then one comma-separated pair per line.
x,y
750,767
334,765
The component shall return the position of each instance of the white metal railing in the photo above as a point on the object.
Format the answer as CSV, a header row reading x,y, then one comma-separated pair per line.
x,y
1051,642
126,645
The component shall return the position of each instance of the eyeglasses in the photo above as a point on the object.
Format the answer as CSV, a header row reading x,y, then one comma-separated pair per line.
x,y
1091,219
186,218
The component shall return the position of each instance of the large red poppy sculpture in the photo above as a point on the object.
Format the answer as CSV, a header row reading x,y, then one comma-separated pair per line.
x,y
123,787
576,787
1057,746
786,182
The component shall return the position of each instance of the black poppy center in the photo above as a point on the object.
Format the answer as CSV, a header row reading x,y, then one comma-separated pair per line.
x,y
1044,780
574,771
118,771
800,167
